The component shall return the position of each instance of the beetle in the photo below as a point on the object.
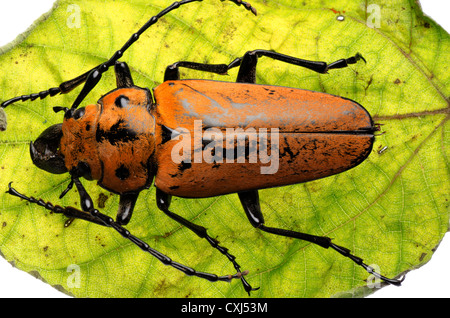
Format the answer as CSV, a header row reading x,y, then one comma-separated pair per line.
x,y
129,139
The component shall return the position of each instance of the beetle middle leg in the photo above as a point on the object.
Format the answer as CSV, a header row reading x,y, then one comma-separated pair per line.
x,y
163,202
247,70
250,203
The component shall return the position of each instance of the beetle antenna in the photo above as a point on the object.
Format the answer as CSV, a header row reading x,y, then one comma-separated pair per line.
x,y
99,218
57,109
93,76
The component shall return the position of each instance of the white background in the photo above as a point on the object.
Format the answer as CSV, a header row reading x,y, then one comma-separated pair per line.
x,y
432,280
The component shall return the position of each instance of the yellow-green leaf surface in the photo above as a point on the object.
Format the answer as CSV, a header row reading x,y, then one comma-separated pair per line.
x,y
392,210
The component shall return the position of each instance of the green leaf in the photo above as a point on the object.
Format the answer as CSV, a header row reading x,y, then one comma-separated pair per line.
x,y
392,210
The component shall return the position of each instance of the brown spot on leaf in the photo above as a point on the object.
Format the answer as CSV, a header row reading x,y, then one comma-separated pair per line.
x,y
101,200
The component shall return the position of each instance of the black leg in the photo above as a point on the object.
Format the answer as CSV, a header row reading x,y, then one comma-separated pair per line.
x,y
163,202
123,75
172,71
126,207
250,203
102,219
247,71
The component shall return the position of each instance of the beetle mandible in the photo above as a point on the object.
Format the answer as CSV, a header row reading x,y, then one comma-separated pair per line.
x,y
317,135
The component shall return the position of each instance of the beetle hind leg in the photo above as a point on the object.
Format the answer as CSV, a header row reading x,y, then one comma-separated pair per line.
x,y
247,70
250,203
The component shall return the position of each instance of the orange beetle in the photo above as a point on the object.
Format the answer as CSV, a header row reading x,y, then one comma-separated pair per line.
x,y
201,138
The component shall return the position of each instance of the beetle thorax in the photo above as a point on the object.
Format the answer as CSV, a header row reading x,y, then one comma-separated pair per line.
x,y
114,139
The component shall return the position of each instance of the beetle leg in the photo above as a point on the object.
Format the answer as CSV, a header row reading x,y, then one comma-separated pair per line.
x,y
247,71
123,75
126,207
250,203
163,202
172,71
96,217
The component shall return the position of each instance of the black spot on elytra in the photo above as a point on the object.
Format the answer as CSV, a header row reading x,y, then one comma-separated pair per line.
x,y
184,165
117,133
241,148
168,133
288,151
122,172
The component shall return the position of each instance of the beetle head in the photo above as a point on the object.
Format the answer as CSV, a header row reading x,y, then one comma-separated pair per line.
x,y
45,150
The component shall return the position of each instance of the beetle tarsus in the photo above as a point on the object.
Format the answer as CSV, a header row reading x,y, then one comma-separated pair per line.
x,y
345,62
346,252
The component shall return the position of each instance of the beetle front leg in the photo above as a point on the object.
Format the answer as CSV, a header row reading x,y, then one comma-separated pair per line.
x,y
163,202
250,203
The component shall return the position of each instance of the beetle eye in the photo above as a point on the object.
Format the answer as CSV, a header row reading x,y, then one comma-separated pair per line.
x,y
79,113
